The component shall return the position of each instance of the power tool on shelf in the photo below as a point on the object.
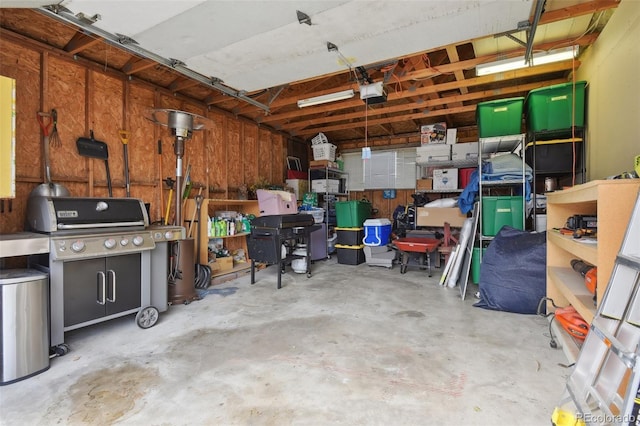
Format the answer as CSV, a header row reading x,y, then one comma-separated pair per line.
x,y
589,273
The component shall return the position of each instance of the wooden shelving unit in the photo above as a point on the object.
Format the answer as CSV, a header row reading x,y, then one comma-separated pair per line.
x,y
612,201
231,242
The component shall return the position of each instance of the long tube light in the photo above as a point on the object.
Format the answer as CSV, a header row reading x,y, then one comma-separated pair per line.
x,y
323,99
517,63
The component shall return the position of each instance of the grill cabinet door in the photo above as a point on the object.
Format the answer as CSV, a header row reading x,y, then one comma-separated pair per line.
x,y
128,283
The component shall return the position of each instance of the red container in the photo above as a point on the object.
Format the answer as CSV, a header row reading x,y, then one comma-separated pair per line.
x,y
417,245
464,176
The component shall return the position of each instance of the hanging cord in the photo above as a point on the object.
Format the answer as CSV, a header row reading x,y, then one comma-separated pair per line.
x,y
539,311
573,118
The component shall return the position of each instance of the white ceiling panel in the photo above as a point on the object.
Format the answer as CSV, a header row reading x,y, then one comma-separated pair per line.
x,y
253,45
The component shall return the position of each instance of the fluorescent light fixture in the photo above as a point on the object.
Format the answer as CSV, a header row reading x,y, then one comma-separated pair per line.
x,y
323,99
539,58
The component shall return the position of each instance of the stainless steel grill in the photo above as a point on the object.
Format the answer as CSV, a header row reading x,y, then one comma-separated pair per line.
x,y
99,261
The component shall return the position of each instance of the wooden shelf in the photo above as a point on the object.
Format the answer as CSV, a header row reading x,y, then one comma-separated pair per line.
x,y
238,268
571,284
585,251
612,202
231,242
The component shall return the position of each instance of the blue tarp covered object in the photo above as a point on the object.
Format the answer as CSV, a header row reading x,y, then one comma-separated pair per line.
x,y
502,167
513,272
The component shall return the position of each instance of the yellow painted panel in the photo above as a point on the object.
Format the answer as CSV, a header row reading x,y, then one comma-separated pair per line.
x,y
7,137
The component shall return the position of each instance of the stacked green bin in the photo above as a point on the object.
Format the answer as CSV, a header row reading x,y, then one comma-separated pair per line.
x,y
499,118
498,211
552,107
352,214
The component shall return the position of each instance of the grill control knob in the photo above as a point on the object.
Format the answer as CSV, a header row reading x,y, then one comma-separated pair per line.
x,y
168,235
138,240
110,243
78,246
124,242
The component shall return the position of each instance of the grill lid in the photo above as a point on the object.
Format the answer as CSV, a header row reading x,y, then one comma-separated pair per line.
x,y
51,214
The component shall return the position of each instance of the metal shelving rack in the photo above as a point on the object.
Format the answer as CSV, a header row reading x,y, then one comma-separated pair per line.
x,y
331,173
459,164
487,148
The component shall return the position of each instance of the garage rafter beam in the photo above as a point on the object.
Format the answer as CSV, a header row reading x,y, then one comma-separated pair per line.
x,y
425,90
136,65
420,74
81,41
375,122
459,99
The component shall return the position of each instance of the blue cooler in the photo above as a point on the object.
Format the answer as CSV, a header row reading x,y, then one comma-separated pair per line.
x,y
376,232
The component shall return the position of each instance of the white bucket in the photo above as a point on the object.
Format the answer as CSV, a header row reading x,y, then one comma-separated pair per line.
x,y
541,222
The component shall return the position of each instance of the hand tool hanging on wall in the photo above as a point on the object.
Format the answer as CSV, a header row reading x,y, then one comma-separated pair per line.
x,y
48,188
124,137
92,148
54,139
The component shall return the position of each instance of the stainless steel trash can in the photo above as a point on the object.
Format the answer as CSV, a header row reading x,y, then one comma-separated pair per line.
x,y
24,322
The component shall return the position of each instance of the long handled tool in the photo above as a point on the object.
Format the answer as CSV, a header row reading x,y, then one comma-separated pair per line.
x,y
96,149
170,182
160,174
124,137
193,215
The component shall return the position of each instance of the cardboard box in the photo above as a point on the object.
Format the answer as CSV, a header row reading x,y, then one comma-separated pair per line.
x,y
221,264
436,133
437,216
299,186
272,202
424,184
325,185
464,151
445,179
323,163
433,153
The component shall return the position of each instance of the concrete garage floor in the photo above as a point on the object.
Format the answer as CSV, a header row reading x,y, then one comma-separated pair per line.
x,y
350,345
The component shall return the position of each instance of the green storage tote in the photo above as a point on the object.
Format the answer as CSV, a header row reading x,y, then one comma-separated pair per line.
x,y
551,108
500,118
352,214
498,211
475,264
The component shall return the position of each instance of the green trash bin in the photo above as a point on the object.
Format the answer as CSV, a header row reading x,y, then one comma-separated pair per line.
x,y
475,264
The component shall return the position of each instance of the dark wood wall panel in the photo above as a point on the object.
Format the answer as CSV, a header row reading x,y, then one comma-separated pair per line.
x,y
265,156
235,154
231,152
144,161
278,173
66,92
250,149
217,155
105,119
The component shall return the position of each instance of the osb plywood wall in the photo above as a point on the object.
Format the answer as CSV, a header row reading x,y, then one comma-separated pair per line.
x,y
229,153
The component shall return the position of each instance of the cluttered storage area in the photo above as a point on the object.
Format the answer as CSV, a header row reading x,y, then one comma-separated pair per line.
x,y
397,235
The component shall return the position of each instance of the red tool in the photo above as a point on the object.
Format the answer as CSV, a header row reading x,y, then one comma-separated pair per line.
x,y
572,322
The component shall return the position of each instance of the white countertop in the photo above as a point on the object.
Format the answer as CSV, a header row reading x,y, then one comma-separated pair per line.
x,y
23,244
